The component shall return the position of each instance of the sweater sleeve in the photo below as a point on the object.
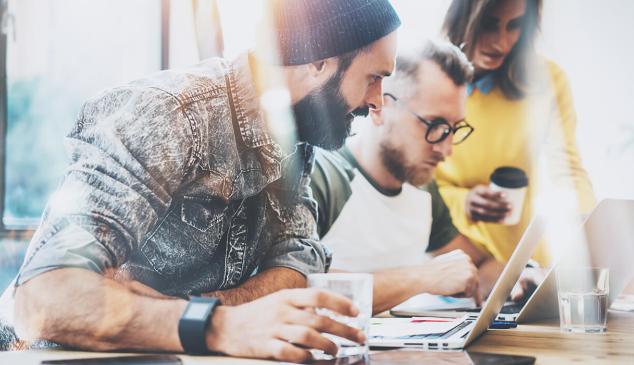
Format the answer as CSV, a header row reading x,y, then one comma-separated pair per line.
x,y
566,167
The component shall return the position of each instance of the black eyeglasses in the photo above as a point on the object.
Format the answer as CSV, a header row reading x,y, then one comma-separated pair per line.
x,y
439,129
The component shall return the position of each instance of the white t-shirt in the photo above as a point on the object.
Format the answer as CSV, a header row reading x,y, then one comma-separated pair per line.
x,y
375,231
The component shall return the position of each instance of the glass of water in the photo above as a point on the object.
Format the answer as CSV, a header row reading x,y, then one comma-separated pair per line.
x,y
583,299
356,287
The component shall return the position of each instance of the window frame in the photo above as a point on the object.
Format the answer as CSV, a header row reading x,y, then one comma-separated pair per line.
x,y
25,229
4,114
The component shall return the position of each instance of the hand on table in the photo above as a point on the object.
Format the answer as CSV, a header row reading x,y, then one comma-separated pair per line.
x,y
282,326
453,274
530,278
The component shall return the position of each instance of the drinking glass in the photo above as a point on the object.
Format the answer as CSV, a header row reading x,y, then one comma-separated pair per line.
x,y
583,298
356,287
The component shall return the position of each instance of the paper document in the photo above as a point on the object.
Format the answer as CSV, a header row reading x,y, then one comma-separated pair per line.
x,y
428,302
405,327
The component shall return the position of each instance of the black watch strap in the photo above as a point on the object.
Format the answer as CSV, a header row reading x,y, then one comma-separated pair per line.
x,y
192,327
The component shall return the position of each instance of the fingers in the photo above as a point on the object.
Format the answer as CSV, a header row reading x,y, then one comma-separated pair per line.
x,y
306,298
472,290
492,205
482,214
308,338
478,298
533,276
472,287
487,205
285,351
325,324
517,293
526,285
491,195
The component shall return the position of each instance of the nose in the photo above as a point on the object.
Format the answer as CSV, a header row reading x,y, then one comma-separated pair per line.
x,y
445,148
374,96
502,42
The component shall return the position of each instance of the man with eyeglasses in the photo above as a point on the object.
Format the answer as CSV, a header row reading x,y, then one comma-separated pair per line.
x,y
380,210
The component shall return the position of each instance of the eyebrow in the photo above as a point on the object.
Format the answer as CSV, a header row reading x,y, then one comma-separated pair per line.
x,y
437,117
517,18
497,20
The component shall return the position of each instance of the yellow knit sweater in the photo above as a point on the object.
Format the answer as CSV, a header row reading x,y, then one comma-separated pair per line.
x,y
520,133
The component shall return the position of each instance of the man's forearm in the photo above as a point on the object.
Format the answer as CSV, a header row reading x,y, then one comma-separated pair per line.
x,y
392,287
263,283
79,308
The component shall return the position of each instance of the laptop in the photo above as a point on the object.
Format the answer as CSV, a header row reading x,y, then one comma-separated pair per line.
x,y
605,240
472,327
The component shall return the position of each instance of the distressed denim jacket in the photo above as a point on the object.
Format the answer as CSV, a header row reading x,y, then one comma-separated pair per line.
x,y
174,181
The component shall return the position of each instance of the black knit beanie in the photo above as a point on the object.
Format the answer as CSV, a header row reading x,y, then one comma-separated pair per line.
x,y
312,30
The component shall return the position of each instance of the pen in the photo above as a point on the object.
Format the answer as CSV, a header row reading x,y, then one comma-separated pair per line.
x,y
447,299
432,320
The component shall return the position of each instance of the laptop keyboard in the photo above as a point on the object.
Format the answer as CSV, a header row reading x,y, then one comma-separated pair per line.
x,y
511,309
506,309
435,336
456,329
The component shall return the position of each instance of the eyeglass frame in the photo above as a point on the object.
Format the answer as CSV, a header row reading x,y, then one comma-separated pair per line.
x,y
437,122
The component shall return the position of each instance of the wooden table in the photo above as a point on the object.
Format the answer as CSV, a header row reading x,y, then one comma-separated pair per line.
x,y
541,340
550,346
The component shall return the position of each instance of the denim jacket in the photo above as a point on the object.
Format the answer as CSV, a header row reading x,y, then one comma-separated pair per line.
x,y
174,181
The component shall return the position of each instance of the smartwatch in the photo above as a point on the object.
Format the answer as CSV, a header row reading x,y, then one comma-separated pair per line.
x,y
192,326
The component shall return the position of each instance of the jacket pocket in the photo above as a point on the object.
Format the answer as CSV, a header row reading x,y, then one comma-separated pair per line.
x,y
203,214
186,241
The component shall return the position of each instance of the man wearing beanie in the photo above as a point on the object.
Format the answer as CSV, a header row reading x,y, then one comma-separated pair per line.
x,y
179,209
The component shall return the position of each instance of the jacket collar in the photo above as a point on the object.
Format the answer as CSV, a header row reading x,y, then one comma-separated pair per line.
x,y
243,93
250,118
484,84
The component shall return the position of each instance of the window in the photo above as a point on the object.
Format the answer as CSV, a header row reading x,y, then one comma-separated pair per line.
x,y
59,53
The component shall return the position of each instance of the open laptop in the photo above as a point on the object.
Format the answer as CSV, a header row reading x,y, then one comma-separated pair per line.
x,y
604,240
607,240
471,328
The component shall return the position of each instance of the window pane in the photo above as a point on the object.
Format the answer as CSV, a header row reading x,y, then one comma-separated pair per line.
x,y
60,53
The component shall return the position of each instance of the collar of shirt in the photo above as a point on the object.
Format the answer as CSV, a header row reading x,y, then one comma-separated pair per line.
x,y
250,120
485,84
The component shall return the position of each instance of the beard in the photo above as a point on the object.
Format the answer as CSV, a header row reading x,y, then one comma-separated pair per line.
x,y
394,161
322,116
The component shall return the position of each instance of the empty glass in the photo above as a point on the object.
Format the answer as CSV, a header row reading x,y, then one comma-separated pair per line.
x,y
357,287
583,299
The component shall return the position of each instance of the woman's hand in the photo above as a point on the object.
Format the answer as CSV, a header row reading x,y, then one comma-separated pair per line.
x,y
486,205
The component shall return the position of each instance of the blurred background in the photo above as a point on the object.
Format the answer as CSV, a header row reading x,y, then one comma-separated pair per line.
x,y
61,52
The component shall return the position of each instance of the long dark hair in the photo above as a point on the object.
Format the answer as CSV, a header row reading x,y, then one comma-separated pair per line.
x,y
463,26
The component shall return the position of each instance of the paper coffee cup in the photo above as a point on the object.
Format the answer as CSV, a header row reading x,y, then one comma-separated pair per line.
x,y
513,182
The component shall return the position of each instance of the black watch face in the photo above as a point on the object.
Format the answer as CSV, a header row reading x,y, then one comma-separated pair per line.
x,y
196,311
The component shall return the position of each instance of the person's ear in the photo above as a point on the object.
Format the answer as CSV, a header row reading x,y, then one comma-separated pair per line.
x,y
319,66
321,71
302,79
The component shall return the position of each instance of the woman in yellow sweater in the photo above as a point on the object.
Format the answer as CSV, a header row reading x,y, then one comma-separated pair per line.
x,y
521,108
